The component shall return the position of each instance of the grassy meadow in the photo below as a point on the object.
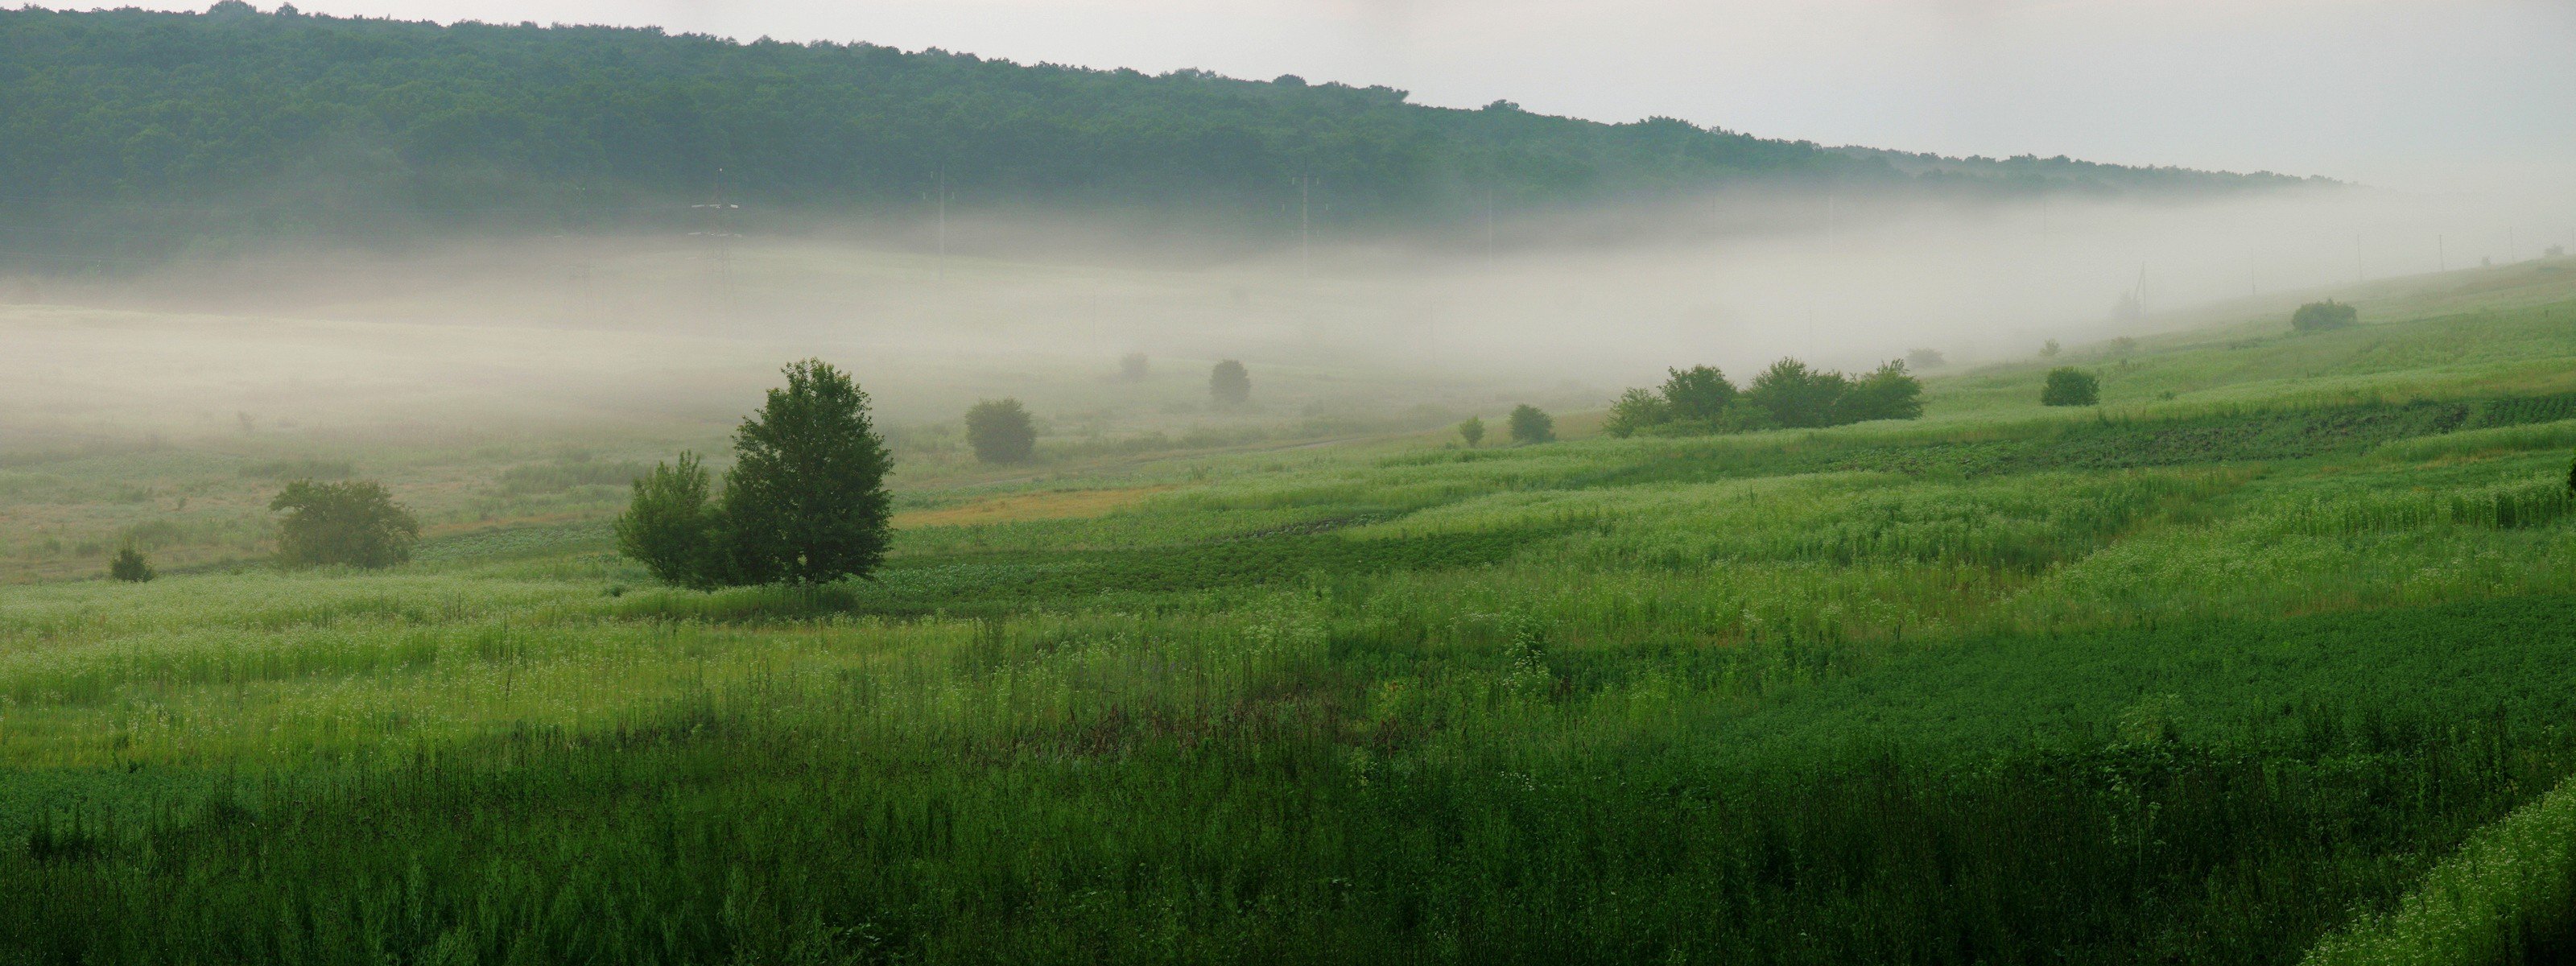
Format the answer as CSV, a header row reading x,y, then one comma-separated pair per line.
x,y
2267,659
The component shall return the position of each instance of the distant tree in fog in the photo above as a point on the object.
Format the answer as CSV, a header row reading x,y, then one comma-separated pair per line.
x,y
356,523
1473,431
2050,349
1697,393
1131,367
2070,387
1229,384
1001,432
128,565
1531,425
2320,316
1926,359
1637,409
1796,395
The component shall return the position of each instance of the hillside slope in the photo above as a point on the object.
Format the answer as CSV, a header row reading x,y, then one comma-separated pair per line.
x,y
125,131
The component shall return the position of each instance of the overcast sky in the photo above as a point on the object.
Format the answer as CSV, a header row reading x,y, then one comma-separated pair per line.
x,y
2456,95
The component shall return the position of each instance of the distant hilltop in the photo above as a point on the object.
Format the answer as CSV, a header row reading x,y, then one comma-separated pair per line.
x,y
132,124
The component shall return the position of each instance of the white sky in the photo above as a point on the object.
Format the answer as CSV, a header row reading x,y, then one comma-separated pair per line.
x,y
2457,95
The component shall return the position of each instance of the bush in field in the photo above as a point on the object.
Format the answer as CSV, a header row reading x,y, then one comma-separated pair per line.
x,y
1636,409
1798,396
1531,425
1888,393
670,529
1697,393
1000,431
2050,349
355,523
128,565
1131,367
805,504
2069,386
2320,316
1229,384
1473,431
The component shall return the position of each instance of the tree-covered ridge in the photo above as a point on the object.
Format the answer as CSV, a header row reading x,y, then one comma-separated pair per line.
x,y
273,122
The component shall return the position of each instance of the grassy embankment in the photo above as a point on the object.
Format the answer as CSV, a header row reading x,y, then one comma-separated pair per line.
x,y
2189,679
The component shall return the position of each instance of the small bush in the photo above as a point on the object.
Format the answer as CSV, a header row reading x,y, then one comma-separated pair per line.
x,y
1001,432
356,524
670,528
1529,424
2321,316
1229,384
128,565
2069,386
1473,431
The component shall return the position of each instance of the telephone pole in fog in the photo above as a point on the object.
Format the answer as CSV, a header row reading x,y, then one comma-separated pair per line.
x,y
720,252
1305,237
940,185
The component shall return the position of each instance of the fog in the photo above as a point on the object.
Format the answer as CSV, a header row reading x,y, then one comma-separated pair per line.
x,y
673,335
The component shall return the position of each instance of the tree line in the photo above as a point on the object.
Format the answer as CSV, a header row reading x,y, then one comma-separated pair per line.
x,y
115,123
1790,394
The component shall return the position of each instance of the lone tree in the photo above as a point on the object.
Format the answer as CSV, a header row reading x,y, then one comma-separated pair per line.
x,y
1531,425
128,565
2069,386
2320,316
355,523
1229,385
805,504
1473,431
1131,367
1000,431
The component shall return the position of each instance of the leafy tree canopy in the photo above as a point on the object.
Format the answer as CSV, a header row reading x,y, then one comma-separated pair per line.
x,y
999,430
132,131
354,523
2069,386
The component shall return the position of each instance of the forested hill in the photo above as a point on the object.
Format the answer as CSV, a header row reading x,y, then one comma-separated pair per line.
x,y
137,124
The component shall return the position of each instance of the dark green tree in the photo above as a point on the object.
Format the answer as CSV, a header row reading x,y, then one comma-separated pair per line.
x,y
1000,431
671,529
1229,384
1473,431
806,502
1697,394
1888,393
1636,409
356,523
2320,316
128,565
1529,424
1797,396
2069,386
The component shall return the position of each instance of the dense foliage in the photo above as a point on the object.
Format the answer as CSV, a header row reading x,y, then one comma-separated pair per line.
x,y
1701,400
805,503
1229,384
1528,424
1472,430
125,132
129,566
2320,316
2069,386
354,523
999,431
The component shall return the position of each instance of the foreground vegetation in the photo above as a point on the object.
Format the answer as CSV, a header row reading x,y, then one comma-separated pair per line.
x,y
2276,666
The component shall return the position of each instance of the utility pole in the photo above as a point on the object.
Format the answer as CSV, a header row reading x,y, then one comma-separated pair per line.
x,y
1305,237
2441,254
719,239
941,186
1489,227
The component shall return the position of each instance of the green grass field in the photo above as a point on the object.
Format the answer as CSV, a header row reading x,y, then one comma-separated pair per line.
x,y
2270,658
